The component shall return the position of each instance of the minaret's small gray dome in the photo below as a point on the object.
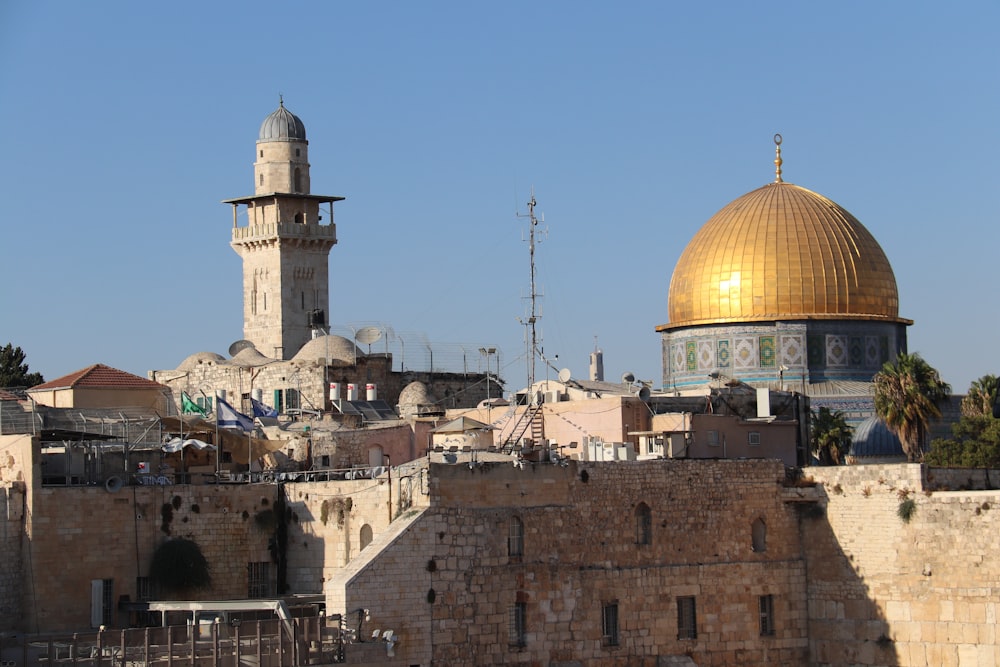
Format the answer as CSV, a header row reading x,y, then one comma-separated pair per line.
x,y
282,125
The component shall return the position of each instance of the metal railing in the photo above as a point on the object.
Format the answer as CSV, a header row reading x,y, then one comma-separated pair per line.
x,y
269,643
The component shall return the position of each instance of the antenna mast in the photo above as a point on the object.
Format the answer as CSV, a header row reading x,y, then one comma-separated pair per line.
x,y
531,335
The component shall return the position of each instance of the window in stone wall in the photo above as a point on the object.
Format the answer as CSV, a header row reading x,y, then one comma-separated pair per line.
x,y
643,524
758,535
766,605
753,438
292,399
687,618
366,535
259,584
145,589
609,624
324,461
713,438
518,624
102,609
515,538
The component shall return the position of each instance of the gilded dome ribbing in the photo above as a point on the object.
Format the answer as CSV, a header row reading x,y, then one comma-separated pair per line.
x,y
782,252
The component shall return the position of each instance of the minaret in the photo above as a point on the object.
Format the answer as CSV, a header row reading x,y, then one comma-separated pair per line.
x,y
284,244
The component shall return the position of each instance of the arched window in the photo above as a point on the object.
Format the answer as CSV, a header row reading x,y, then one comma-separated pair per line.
x,y
515,537
262,179
298,180
366,535
758,535
643,524
298,218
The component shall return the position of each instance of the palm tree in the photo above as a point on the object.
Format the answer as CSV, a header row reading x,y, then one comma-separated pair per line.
x,y
908,392
831,436
981,397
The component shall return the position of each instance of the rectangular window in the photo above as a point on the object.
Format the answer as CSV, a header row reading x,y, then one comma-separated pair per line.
x,y
518,624
324,460
713,438
145,590
609,624
515,538
687,621
259,580
753,437
101,602
205,403
767,615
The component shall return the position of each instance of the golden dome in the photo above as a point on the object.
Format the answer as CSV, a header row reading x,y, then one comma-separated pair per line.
x,y
782,252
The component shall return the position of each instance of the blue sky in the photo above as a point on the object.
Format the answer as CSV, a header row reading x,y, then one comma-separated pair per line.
x,y
126,123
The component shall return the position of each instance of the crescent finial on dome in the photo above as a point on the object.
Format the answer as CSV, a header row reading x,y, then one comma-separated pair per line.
x,y
777,158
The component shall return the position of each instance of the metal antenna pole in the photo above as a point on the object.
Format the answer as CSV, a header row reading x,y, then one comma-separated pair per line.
x,y
532,335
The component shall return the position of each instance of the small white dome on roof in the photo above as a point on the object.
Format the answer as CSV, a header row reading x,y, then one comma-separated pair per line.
x,y
201,358
332,347
416,393
250,356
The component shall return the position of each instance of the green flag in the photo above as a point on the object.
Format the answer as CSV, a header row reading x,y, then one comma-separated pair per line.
x,y
188,406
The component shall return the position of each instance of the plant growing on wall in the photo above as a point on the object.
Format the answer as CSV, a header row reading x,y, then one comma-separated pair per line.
x,y
178,564
907,509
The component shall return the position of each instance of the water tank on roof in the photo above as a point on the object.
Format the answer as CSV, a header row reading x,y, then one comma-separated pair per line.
x,y
334,391
352,391
371,392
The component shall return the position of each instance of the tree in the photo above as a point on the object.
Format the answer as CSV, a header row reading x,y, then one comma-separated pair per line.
x,y
982,394
831,436
975,443
908,392
13,370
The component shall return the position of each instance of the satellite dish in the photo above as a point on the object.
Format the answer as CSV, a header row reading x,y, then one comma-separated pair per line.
x,y
368,335
627,378
564,375
239,346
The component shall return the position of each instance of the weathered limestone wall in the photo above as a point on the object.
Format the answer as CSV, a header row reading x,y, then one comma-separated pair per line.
x,y
78,534
15,476
330,521
885,591
54,541
581,553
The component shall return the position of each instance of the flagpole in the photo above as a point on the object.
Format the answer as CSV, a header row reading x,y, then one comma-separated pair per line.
x,y
181,415
218,441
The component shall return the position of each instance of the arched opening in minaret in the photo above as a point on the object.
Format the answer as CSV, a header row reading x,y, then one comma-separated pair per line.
x,y
298,218
298,180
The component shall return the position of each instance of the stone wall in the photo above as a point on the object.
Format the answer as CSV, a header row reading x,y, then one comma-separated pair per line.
x,y
15,476
73,535
887,591
580,554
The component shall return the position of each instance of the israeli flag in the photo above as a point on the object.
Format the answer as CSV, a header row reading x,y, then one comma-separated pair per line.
x,y
261,410
228,417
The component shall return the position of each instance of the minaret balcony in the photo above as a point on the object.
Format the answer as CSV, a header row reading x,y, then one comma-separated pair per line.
x,y
284,230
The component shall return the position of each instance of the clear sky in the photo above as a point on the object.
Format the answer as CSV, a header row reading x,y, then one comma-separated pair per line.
x,y
125,123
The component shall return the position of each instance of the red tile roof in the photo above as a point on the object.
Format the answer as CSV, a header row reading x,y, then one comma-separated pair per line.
x,y
99,376
7,396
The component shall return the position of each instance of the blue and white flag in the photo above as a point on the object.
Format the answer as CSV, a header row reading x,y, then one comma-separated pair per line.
x,y
261,410
228,417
